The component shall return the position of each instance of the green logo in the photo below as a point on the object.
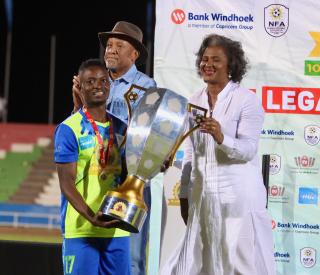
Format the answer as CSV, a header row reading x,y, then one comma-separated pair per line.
x,y
312,67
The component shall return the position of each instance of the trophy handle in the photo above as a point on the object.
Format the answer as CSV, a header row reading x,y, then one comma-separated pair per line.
x,y
198,120
132,96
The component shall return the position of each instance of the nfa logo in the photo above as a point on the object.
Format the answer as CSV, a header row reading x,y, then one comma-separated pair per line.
x,y
276,19
304,161
312,134
308,256
276,191
178,16
275,164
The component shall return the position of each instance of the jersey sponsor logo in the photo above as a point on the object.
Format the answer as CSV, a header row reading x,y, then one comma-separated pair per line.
x,y
86,142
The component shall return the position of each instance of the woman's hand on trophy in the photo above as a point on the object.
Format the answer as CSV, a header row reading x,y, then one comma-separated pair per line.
x,y
98,220
211,126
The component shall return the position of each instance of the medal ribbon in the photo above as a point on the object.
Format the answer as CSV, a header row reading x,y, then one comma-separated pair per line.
x,y
104,155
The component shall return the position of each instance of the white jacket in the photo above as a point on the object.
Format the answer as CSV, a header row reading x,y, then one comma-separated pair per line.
x,y
229,230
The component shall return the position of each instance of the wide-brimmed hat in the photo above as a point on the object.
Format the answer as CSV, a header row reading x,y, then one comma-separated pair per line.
x,y
129,32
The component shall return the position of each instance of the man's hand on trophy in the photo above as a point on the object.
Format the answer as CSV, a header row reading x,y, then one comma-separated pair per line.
x,y
98,220
165,166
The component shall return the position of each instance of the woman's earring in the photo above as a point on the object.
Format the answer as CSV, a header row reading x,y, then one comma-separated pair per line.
x,y
229,76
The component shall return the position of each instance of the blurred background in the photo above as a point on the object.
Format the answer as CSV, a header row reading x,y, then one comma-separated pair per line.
x,y
49,41
42,45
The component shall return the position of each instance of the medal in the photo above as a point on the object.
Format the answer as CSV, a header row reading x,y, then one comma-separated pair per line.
x,y
104,154
103,175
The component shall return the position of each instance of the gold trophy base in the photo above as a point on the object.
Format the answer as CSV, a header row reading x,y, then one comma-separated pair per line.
x,y
126,205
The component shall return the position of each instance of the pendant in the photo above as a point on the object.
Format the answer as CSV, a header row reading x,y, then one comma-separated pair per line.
x,y
103,175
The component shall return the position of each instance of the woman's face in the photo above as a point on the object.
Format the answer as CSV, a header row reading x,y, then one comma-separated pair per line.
x,y
214,65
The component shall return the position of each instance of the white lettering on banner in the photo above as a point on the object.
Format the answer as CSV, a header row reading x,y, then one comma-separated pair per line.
x,y
270,104
291,100
288,100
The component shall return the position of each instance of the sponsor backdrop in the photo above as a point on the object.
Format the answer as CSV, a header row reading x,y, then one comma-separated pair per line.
x,y
282,42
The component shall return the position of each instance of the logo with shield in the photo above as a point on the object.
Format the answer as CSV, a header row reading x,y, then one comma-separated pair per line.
x,y
312,134
308,256
275,164
276,19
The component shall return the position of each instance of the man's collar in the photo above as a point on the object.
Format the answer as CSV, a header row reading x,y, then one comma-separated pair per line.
x,y
129,75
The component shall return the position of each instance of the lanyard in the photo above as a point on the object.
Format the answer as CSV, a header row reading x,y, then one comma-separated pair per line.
x,y
104,154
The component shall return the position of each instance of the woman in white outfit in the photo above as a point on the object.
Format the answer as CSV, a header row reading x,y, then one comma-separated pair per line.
x,y
223,199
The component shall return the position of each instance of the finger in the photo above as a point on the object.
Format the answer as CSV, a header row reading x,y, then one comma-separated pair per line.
x,y
112,223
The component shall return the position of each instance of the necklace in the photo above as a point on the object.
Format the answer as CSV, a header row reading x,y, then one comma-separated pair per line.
x,y
104,152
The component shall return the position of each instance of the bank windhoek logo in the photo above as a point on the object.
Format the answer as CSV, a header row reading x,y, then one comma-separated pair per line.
x,y
276,19
178,16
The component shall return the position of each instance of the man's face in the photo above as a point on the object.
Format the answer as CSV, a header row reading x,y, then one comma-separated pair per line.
x,y
120,55
94,86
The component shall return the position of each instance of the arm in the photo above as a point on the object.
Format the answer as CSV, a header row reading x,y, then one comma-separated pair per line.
x,y
244,145
67,176
66,156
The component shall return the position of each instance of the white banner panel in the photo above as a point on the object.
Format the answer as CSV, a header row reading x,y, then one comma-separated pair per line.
x,y
282,42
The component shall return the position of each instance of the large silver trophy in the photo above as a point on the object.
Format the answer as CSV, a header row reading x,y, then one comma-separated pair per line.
x,y
154,134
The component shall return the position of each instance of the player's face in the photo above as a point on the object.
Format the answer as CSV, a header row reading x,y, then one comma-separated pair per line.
x,y
95,86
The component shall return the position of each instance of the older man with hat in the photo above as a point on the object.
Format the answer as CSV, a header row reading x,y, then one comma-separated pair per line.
x,y
123,51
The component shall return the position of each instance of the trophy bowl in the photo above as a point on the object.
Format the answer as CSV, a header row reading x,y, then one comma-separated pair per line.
x,y
155,131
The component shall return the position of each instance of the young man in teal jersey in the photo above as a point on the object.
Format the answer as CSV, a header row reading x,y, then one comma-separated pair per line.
x,y
89,163
123,51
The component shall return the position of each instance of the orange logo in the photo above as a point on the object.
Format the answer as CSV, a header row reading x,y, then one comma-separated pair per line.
x,y
178,16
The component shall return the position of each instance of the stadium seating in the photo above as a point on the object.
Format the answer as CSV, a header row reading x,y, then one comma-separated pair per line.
x,y
27,169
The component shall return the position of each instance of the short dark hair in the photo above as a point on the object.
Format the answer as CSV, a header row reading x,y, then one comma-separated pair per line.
x,y
90,63
237,62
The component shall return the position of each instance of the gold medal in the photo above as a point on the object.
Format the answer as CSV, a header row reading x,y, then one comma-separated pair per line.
x,y
103,175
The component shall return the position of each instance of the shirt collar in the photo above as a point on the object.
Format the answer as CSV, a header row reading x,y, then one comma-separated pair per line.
x,y
129,75
226,90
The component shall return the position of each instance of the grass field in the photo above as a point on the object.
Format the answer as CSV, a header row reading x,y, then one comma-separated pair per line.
x,y
30,235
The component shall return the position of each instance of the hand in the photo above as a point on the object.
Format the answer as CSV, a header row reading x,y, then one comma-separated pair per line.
x,y
184,208
164,166
98,220
211,126
76,94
